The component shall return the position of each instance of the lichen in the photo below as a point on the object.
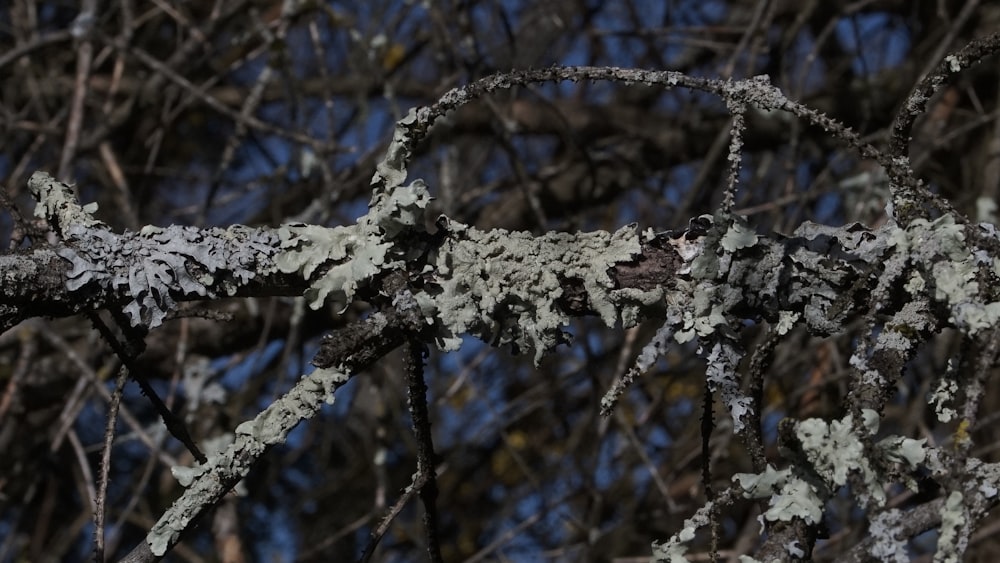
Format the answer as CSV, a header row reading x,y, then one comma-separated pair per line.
x,y
789,496
490,284
343,256
723,357
953,63
673,550
886,543
154,265
835,451
795,499
762,485
252,438
954,537
338,260
951,267
738,236
58,204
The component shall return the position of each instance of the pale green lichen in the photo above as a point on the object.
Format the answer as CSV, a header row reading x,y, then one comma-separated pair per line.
x,y
939,247
906,451
834,450
887,545
762,485
953,63
156,265
252,438
391,171
790,497
490,283
954,537
795,499
916,284
58,204
942,236
702,317
786,320
186,475
673,550
348,256
986,208
738,236
956,281
722,355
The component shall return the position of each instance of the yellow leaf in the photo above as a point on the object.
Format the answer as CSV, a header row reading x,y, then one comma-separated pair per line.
x,y
393,56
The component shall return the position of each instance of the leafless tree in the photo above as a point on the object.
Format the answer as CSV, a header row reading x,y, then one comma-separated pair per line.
x,y
570,280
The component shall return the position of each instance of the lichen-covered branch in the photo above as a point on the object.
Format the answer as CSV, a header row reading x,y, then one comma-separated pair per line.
x,y
907,279
207,483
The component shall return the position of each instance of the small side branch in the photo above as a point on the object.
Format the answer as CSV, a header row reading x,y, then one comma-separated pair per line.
x,y
415,352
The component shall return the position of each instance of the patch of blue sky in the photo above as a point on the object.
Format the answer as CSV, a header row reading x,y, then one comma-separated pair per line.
x,y
769,423
299,476
828,209
622,50
236,376
129,454
247,71
576,55
85,549
608,469
680,408
879,40
673,101
90,421
545,502
805,75
480,417
495,169
658,437
133,393
679,183
456,361
639,480
596,341
635,396
706,12
274,534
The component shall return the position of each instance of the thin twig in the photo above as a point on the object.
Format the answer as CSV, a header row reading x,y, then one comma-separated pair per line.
x,y
376,536
176,427
415,352
102,484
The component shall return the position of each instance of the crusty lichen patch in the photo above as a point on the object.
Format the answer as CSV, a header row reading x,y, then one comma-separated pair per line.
x,y
503,286
233,462
342,258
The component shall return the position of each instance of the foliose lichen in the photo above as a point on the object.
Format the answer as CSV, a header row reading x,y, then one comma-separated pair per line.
x,y
490,284
954,538
233,462
156,264
338,259
945,393
834,451
940,250
887,545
